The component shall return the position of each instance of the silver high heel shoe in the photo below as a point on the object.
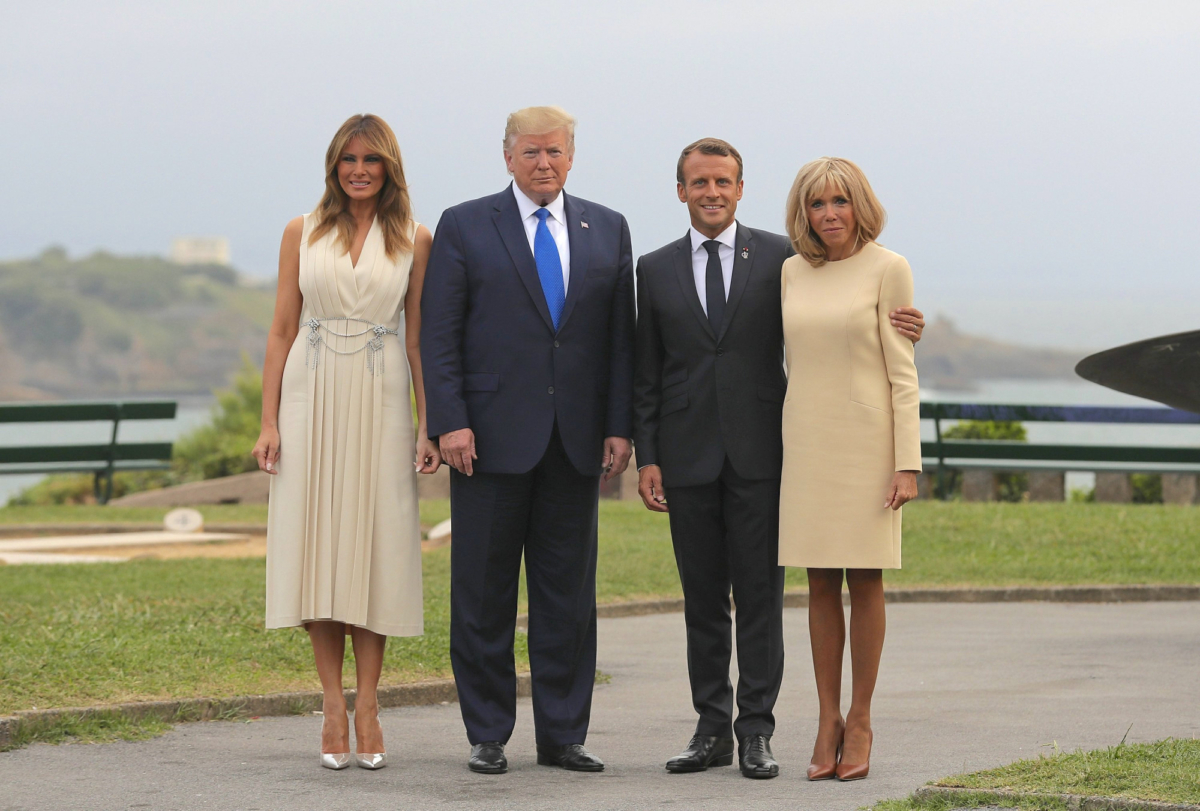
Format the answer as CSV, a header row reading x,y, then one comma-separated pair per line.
x,y
365,761
336,761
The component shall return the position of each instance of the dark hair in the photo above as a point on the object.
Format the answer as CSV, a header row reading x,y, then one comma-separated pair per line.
x,y
709,146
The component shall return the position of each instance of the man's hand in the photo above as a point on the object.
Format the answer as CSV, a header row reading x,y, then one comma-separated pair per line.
x,y
617,450
458,450
909,321
650,488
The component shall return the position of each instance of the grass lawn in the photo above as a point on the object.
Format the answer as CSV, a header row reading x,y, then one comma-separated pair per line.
x,y
74,635
96,514
84,634
955,544
1166,771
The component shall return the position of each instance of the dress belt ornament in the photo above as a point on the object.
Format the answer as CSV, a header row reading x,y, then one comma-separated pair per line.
x,y
373,347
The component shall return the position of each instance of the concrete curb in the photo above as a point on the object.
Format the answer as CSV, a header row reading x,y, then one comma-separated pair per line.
x,y
1009,594
34,530
1043,594
440,691
1074,802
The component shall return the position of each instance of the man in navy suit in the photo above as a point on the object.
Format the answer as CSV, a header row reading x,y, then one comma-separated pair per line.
x,y
527,331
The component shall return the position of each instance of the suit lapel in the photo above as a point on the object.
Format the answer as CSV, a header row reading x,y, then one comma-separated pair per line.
x,y
687,282
743,260
578,238
508,222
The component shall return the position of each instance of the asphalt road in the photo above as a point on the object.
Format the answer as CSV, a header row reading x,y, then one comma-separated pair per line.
x,y
962,687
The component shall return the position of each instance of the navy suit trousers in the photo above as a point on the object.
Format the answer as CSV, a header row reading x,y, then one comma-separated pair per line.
x,y
549,515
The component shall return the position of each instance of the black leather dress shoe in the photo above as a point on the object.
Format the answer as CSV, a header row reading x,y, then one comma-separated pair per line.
x,y
756,758
572,757
703,751
488,758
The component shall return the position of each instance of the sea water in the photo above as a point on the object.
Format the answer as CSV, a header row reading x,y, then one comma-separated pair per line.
x,y
193,413
190,414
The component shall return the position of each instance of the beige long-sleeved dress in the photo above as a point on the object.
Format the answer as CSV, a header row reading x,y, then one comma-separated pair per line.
x,y
343,539
851,417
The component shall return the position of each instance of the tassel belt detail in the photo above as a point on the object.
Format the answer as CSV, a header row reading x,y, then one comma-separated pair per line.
x,y
373,346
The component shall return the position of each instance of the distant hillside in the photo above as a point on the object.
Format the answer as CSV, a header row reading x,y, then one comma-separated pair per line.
x,y
949,359
106,326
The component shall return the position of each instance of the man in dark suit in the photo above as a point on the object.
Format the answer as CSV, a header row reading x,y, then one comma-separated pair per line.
x,y
527,349
708,402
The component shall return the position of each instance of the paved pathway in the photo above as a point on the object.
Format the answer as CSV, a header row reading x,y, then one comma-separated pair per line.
x,y
962,687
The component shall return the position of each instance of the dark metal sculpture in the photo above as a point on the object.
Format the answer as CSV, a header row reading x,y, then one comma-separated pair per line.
x,y
1165,369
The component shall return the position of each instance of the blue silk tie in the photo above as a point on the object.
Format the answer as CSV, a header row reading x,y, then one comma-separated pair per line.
x,y
549,267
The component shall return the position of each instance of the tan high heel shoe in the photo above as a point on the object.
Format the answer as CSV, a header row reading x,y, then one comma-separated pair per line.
x,y
825,771
857,771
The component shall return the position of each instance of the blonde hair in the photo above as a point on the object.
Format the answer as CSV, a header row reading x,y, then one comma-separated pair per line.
x,y
810,183
394,208
539,121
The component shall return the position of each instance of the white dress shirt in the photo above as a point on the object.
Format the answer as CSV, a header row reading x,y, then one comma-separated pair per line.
x,y
556,223
727,238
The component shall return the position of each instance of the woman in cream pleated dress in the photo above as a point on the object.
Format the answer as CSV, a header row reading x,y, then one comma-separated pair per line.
x,y
851,438
343,542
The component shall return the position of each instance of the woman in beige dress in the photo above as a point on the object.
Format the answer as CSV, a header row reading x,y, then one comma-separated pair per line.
x,y
343,542
851,438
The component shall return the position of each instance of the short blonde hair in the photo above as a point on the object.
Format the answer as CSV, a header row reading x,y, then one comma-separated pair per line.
x,y
539,121
810,183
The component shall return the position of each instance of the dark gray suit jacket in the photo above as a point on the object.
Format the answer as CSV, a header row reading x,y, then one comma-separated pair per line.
x,y
701,396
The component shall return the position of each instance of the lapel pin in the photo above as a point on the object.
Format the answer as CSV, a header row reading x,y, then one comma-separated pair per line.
x,y
745,253
584,224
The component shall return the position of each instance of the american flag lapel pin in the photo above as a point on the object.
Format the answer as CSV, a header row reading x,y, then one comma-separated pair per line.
x,y
584,224
745,253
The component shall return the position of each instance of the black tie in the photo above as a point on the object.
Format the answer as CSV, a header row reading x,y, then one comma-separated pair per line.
x,y
714,283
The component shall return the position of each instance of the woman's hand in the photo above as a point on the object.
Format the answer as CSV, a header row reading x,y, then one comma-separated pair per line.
x,y
429,457
266,450
903,490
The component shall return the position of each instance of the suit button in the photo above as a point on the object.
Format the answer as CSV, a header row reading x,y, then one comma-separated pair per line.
x,y
556,344
550,390
720,351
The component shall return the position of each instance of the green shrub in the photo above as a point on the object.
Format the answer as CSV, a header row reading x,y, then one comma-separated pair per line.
x,y
77,488
1011,486
1147,488
220,448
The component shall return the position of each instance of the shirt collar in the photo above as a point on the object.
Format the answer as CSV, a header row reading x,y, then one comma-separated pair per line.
x,y
726,237
527,207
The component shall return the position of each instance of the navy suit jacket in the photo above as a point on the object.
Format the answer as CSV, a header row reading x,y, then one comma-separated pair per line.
x,y
491,359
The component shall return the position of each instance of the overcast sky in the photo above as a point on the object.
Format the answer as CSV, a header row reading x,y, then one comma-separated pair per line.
x,y
1038,160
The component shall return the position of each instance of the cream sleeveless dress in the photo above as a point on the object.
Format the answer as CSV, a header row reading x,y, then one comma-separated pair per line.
x,y
343,541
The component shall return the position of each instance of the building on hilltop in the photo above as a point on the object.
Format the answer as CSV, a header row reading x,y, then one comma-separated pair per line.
x,y
200,251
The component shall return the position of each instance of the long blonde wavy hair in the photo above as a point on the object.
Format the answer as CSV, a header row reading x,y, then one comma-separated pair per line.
x,y
810,183
394,208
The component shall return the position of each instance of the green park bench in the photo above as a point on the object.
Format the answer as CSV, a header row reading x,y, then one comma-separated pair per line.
x,y
951,454
101,459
